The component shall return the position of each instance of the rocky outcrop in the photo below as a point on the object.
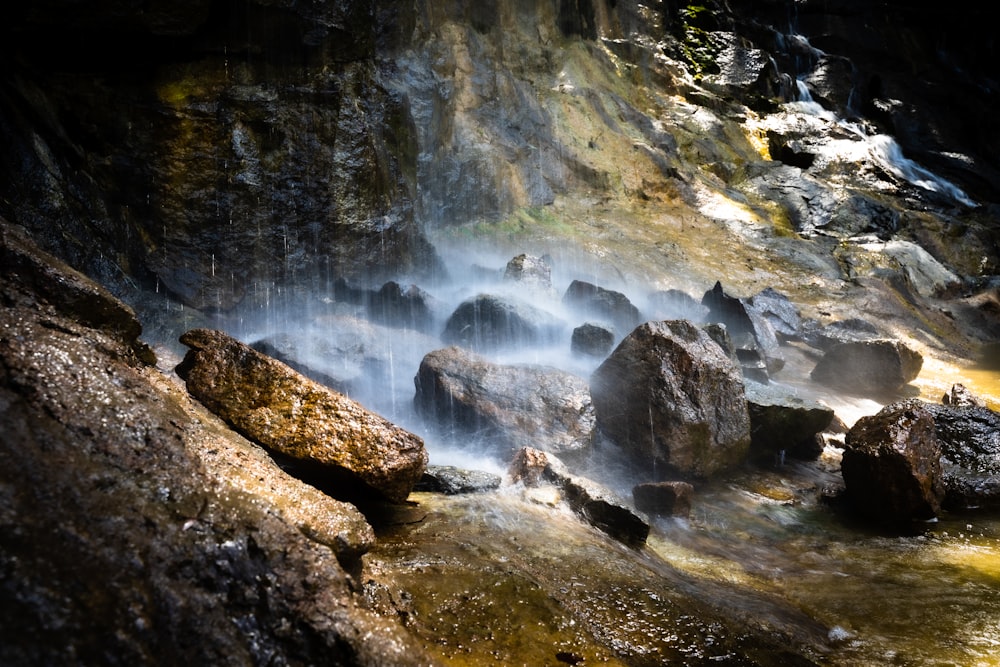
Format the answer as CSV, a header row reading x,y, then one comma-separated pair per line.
x,y
136,527
663,498
509,406
275,406
892,464
783,423
595,503
875,367
489,322
671,398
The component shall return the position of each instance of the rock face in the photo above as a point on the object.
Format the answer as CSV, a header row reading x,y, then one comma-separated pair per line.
x,y
781,422
868,367
137,528
593,502
488,322
892,464
284,411
511,405
673,400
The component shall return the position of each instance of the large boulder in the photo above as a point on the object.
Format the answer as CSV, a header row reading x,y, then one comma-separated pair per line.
x,y
592,339
595,503
892,464
782,422
528,271
271,404
873,367
672,398
593,300
490,322
510,405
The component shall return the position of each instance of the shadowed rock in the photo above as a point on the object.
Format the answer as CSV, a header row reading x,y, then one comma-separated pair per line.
x,y
592,339
489,322
782,422
511,404
663,498
752,333
892,464
273,405
672,398
603,303
593,502
868,367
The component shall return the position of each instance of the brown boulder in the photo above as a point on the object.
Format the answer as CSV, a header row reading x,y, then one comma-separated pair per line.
x,y
273,405
892,464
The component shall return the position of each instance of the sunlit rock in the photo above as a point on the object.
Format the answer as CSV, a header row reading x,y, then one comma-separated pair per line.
x,y
663,498
490,322
262,398
505,405
595,503
892,464
672,398
873,367
959,396
450,480
593,300
753,335
782,423
592,339
405,307
779,311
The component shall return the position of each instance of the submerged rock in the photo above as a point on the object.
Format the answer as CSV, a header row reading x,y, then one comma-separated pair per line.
x,y
663,498
512,405
781,422
873,367
284,411
673,399
593,502
892,464
490,322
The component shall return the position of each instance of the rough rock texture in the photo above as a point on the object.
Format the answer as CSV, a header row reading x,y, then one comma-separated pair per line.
x,y
286,412
136,528
892,464
752,333
959,396
592,339
512,405
530,272
489,322
868,367
451,480
595,503
663,498
596,301
673,400
969,436
782,422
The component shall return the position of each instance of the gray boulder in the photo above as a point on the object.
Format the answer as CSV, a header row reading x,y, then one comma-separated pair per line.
x,y
673,399
868,368
603,303
357,451
489,322
451,481
753,335
512,405
592,339
892,464
781,422
969,436
663,498
598,505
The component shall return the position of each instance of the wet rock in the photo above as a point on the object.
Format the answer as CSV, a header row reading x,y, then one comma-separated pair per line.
x,y
489,322
529,271
508,405
136,527
959,396
782,423
451,481
406,307
850,330
875,367
603,303
592,339
663,498
673,399
752,333
268,402
674,304
598,505
969,436
779,311
965,489
892,464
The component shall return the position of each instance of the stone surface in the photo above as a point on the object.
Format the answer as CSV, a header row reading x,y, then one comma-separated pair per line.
x,y
450,480
783,423
595,503
508,406
663,498
671,398
753,335
530,272
137,528
959,396
892,464
490,322
969,436
592,339
875,367
284,411
593,300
